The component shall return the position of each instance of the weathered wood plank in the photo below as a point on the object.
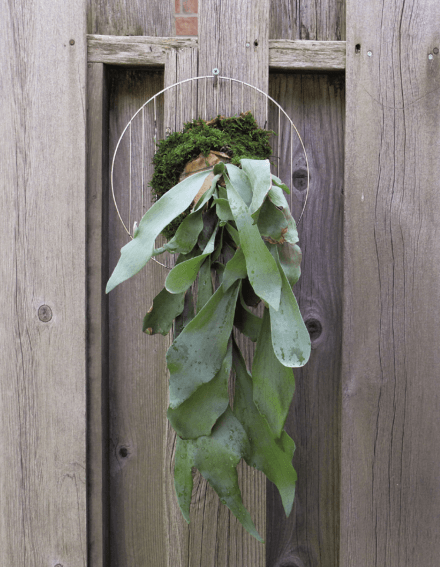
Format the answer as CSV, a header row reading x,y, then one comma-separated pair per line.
x,y
134,50
181,64
323,20
134,17
42,273
137,368
310,535
284,54
180,103
390,427
300,55
97,315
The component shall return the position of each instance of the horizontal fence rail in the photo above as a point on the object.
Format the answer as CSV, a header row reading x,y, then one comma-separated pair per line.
x,y
284,54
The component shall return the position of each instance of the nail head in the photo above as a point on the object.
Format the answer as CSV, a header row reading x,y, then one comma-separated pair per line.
x,y
435,50
72,42
369,53
430,56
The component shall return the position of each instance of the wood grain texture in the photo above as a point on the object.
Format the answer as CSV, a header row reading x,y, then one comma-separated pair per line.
x,y
284,54
97,315
138,376
390,427
134,50
180,103
322,20
133,17
43,364
234,38
310,536
300,55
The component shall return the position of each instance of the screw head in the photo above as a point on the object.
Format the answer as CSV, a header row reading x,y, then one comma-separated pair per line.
x,y
369,53
72,42
430,56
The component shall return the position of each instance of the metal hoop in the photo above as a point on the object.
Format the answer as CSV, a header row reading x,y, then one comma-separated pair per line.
x,y
217,77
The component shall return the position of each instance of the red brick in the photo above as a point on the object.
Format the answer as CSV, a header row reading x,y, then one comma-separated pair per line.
x,y
187,26
177,6
190,6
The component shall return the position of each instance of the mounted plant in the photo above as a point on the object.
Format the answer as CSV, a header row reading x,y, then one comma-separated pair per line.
x,y
238,241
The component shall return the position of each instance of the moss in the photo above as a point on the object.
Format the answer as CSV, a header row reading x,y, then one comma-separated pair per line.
x,y
238,136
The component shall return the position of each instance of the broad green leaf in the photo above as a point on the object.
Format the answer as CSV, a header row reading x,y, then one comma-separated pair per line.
x,y
183,275
216,457
197,354
277,197
241,182
274,383
204,284
186,235
136,253
183,479
222,194
290,260
277,181
258,173
267,454
290,338
261,267
219,168
223,210
286,444
235,269
166,307
233,233
272,223
245,321
198,414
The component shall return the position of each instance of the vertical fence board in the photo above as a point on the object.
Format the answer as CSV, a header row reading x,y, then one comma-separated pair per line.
x,y
390,427
323,20
234,38
137,377
311,534
97,315
131,17
43,359
179,101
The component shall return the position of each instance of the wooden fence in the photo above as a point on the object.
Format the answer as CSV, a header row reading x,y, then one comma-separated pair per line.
x,y
86,452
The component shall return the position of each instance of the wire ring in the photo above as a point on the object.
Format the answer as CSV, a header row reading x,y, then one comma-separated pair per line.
x,y
206,77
